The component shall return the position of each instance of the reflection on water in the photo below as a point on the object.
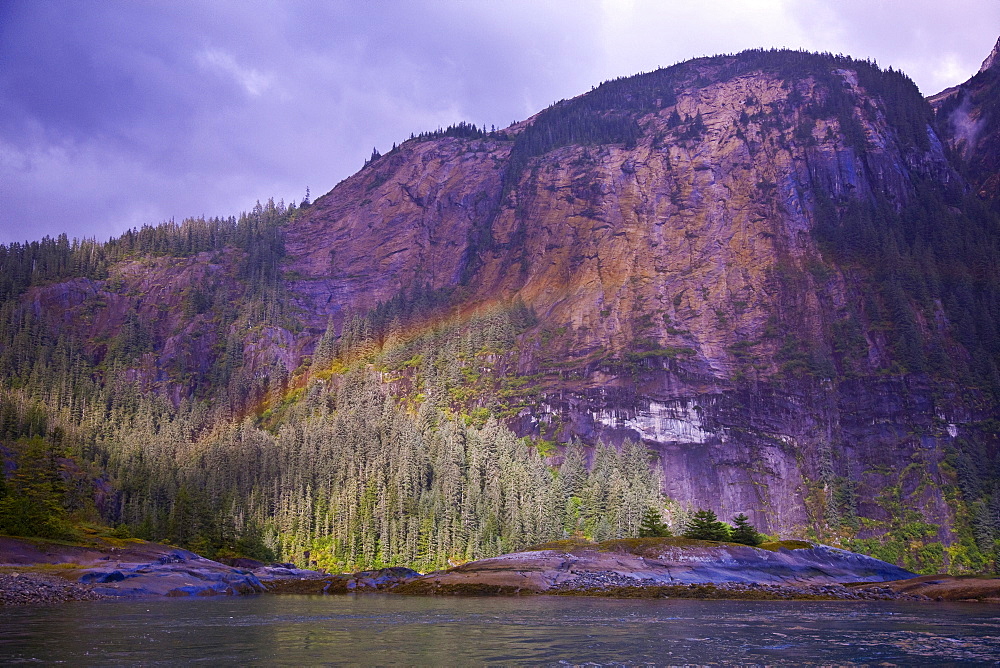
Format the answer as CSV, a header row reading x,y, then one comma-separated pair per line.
x,y
384,629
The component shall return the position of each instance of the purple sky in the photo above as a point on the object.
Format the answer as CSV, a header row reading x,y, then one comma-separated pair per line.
x,y
115,114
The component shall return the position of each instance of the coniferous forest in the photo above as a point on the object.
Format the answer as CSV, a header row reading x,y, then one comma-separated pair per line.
x,y
336,472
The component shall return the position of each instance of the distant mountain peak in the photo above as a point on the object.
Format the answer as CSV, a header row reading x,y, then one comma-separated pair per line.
x,y
991,59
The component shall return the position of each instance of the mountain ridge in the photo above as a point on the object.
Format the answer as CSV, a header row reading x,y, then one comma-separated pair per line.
x,y
739,262
991,60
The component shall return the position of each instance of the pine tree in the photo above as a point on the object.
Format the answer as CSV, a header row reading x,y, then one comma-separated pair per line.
x,y
704,525
652,525
744,532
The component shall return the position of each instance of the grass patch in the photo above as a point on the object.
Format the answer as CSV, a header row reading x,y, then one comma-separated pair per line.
x,y
566,545
647,546
54,569
774,546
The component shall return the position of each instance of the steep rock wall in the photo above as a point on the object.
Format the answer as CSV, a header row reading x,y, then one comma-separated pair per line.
x,y
684,278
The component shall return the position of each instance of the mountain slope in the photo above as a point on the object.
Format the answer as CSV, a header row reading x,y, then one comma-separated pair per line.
x,y
767,268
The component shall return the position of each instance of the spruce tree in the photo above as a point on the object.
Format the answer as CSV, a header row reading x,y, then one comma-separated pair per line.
x,y
652,525
705,525
744,532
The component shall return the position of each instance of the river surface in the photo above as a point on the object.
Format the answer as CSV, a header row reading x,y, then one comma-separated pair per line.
x,y
543,630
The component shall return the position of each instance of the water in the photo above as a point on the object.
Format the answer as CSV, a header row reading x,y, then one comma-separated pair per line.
x,y
543,630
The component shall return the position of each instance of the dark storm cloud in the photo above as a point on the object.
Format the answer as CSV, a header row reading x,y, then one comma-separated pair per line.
x,y
114,114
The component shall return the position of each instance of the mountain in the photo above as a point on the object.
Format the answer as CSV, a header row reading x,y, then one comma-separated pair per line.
x,y
765,283
969,121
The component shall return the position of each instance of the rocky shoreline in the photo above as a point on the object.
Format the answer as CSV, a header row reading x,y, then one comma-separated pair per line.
x,y
37,588
36,572
606,585
600,586
747,592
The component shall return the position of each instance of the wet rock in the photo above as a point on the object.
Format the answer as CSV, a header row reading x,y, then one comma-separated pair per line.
x,y
381,579
100,577
384,579
173,574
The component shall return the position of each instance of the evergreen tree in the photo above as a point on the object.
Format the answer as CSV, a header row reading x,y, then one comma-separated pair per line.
x,y
704,525
32,502
652,525
744,532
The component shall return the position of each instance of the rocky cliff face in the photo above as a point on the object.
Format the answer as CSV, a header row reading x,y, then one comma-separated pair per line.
x,y
692,305
400,222
991,60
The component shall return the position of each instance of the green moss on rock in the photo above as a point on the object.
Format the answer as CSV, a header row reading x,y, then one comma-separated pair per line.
x,y
774,546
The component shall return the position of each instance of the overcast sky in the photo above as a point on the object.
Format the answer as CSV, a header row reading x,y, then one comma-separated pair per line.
x,y
115,114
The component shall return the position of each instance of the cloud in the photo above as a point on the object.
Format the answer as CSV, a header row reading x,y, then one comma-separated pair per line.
x,y
938,44
119,113
255,83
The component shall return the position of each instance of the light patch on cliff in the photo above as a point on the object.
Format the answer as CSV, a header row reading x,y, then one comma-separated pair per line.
x,y
674,422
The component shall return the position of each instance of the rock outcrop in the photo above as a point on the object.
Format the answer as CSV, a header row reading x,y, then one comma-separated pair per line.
x,y
992,59
133,568
662,562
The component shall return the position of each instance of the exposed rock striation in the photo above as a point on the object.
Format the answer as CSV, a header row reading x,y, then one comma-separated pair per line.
x,y
991,60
